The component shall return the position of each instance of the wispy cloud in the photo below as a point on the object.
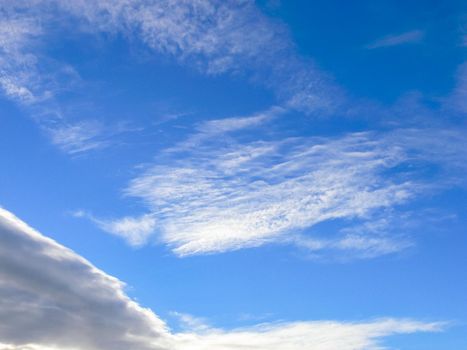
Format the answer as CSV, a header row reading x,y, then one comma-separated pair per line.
x,y
327,335
55,299
18,75
219,197
24,80
136,230
215,37
212,130
81,136
411,37
77,138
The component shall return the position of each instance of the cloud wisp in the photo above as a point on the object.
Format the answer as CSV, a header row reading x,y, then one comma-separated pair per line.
x,y
55,299
214,196
412,37
219,37
215,37
33,80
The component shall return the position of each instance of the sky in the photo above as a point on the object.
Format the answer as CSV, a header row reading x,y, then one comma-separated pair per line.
x,y
239,174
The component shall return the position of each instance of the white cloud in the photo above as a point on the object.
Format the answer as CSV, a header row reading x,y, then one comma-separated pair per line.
x,y
244,196
135,230
304,335
55,299
411,37
221,196
221,126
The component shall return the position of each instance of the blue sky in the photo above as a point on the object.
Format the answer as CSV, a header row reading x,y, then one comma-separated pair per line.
x,y
261,175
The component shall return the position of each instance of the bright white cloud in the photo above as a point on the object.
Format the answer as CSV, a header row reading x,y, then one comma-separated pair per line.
x,y
55,299
245,196
303,335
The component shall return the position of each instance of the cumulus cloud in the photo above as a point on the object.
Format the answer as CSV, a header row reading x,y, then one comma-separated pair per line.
x,y
51,298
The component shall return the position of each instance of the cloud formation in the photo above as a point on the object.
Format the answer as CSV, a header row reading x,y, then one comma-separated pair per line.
x,y
215,37
51,298
56,298
211,196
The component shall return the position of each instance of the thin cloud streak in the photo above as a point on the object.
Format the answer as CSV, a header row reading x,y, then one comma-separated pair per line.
x,y
412,37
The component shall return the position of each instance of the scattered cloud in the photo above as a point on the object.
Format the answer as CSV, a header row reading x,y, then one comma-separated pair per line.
x,y
414,36
55,299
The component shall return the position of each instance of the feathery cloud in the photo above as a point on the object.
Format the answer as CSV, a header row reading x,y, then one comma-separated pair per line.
x,y
218,197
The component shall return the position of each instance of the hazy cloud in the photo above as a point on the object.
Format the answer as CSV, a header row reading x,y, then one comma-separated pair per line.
x,y
411,37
